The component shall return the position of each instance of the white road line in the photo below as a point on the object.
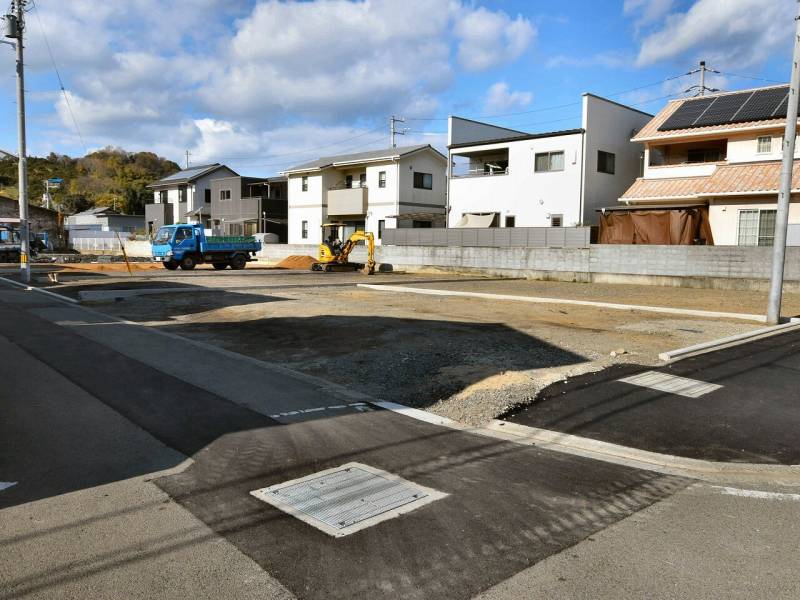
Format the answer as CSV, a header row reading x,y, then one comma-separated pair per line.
x,y
4,485
542,300
361,406
672,384
730,491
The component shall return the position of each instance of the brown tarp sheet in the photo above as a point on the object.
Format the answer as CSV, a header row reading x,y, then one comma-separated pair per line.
x,y
679,226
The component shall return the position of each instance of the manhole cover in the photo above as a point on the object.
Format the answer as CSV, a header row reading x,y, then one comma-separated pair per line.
x,y
663,382
346,499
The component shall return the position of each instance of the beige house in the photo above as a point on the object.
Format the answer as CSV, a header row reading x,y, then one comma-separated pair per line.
x,y
720,154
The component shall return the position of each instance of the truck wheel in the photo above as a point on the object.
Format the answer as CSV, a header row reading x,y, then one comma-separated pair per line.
x,y
220,266
188,262
170,265
238,262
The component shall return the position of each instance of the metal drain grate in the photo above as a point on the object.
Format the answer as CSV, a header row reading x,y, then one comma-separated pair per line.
x,y
663,382
346,499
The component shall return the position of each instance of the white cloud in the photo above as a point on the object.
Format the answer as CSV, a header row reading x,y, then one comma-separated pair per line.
x,y
488,39
229,77
500,98
648,11
740,33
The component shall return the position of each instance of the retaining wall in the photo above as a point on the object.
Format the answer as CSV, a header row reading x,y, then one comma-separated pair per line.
x,y
724,267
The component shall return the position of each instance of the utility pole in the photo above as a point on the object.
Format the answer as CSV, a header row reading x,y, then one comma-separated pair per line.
x,y
782,214
188,154
394,131
702,89
14,27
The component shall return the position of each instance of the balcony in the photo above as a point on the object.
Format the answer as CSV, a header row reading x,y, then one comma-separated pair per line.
x,y
347,201
480,163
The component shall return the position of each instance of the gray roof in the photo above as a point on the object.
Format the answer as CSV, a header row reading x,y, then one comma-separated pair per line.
x,y
188,175
98,210
385,153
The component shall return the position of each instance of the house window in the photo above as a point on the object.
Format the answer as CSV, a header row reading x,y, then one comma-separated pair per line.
x,y
207,196
423,181
703,155
362,180
556,220
764,144
304,183
304,230
382,179
224,194
162,197
605,162
549,161
348,181
756,227
511,221
381,227
183,194
421,224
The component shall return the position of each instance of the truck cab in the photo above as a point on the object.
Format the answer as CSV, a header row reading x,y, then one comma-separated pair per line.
x,y
186,245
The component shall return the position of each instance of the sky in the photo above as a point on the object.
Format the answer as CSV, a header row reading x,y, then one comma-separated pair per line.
x,y
263,85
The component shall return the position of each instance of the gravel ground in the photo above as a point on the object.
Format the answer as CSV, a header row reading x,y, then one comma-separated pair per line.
x,y
465,358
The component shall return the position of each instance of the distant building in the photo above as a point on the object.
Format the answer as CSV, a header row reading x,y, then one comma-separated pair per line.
x,y
392,187
184,197
104,218
249,205
718,155
42,220
501,177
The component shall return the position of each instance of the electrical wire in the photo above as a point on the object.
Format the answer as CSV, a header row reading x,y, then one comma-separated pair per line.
x,y
60,81
751,77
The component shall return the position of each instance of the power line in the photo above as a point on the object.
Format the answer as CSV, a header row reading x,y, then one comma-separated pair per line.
x,y
751,77
58,76
557,106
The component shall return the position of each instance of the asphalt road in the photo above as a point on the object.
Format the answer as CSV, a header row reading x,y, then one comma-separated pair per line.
x,y
134,454
508,506
754,417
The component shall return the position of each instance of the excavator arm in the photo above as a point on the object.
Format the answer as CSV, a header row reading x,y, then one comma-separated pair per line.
x,y
348,246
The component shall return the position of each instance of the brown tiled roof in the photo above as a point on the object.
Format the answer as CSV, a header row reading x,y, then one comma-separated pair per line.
x,y
650,130
671,187
746,178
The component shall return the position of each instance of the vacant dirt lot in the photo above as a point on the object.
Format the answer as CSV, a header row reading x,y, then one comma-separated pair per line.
x,y
465,358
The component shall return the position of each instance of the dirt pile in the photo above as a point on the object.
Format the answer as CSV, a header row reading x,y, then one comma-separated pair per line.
x,y
296,261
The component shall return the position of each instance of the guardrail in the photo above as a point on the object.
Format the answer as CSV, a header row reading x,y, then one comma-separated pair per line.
x,y
491,237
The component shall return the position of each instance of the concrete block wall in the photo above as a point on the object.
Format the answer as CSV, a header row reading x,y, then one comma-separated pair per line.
x,y
732,267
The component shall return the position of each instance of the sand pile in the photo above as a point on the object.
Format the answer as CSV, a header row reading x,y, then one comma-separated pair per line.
x,y
296,261
110,267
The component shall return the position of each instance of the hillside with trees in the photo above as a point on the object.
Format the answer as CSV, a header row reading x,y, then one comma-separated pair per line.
x,y
108,177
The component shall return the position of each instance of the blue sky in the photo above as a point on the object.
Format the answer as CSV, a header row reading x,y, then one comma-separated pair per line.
x,y
263,85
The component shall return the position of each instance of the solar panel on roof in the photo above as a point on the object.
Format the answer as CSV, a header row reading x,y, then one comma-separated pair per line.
x,y
763,104
686,114
722,109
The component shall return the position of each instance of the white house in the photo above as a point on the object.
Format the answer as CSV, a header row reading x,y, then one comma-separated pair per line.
x,y
184,197
721,153
501,177
393,187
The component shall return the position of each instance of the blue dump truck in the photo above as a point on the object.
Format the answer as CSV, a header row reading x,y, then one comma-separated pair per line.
x,y
186,246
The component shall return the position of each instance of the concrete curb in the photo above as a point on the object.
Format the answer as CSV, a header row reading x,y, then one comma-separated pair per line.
x,y
728,342
30,288
542,300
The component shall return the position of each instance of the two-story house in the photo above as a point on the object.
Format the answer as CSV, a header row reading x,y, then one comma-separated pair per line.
x,y
721,155
184,197
249,205
502,177
393,187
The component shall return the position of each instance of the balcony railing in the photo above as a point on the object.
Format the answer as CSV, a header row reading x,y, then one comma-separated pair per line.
x,y
352,186
347,201
479,172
